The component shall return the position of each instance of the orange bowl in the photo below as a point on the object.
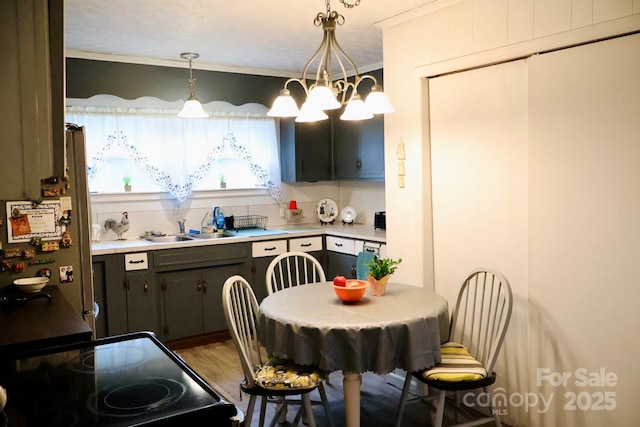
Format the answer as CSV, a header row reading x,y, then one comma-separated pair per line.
x,y
353,292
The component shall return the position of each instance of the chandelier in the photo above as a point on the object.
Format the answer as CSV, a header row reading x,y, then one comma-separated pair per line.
x,y
327,93
192,108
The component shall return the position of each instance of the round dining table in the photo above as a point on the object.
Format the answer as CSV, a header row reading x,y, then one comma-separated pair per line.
x,y
311,326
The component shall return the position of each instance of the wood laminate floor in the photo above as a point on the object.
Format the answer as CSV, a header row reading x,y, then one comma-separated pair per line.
x,y
219,365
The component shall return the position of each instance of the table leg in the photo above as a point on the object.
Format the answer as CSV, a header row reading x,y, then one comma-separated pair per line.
x,y
351,386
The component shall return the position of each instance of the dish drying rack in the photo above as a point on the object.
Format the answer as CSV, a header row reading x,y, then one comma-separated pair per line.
x,y
243,222
247,222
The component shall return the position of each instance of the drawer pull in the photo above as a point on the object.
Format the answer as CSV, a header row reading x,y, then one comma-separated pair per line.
x,y
272,248
305,245
136,262
338,244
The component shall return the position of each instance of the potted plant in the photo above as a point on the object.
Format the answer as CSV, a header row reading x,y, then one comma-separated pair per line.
x,y
223,183
127,183
380,269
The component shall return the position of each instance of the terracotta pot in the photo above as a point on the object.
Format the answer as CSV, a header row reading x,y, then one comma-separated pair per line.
x,y
378,286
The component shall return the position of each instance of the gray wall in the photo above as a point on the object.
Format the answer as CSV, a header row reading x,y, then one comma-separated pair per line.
x,y
86,78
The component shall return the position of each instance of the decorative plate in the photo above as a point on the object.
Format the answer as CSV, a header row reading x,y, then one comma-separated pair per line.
x,y
348,214
327,210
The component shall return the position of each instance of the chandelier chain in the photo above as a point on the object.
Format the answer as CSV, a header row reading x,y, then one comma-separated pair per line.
x,y
345,3
350,5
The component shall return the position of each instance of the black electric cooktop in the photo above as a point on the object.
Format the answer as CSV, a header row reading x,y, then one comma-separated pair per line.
x,y
126,380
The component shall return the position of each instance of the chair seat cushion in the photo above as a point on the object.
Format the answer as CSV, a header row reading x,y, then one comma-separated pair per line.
x,y
457,365
277,374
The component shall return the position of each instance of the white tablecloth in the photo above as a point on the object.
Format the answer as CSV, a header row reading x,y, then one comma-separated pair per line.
x,y
310,325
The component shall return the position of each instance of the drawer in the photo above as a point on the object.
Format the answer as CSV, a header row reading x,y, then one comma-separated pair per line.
x,y
222,254
339,244
306,244
136,261
268,248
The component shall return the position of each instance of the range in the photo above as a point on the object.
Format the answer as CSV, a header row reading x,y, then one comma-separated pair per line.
x,y
126,380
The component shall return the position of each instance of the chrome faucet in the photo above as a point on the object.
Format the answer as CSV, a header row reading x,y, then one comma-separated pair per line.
x,y
181,225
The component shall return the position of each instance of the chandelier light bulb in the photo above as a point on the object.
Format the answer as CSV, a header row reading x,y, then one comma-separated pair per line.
x,y
377,102
356,110
284,105
309,112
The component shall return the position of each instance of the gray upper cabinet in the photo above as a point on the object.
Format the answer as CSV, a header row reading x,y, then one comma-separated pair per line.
x,y
32,81
359,149
305,151
333,149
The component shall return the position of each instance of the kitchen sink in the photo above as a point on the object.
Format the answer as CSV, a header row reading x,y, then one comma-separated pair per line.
x,y
168,239
211,235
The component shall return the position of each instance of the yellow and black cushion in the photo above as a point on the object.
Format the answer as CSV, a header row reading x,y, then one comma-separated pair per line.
x,y
278,374
457,365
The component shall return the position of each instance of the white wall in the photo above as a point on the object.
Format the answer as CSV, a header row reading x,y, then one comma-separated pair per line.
x,y
557,331
158,213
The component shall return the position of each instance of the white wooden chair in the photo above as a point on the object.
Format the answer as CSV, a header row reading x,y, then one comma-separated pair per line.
x,y
478,326
273,379
293,269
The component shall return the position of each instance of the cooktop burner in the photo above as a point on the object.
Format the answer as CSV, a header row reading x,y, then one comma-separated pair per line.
x,y
108,359
142,397
126,380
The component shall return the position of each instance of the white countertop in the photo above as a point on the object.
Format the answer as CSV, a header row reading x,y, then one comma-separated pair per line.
x,y
135,244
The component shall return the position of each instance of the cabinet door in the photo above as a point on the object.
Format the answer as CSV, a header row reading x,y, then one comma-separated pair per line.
x,y
212,282
182,301
305,151
99,294
339,264
142,302
259,271
359,149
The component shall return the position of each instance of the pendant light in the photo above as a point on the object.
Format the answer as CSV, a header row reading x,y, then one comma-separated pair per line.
x,y
327,93
192,108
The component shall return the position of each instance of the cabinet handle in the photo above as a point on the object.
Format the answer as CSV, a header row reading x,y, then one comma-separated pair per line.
x,y
145,287
204,286
199,286
358,164
369,250
125,284
338,244
272,248
140,261
305,245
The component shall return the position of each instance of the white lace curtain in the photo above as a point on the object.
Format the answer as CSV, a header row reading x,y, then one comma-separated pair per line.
x,y
178,153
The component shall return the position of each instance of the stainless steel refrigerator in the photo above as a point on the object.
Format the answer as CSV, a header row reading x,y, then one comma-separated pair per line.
x,y
76,165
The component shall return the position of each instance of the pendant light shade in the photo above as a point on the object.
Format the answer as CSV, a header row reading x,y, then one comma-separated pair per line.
x,y
377,102
192,108
356,110
309,112
284,105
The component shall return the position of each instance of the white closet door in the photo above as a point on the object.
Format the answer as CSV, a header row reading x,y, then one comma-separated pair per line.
x,y
584,193
478,125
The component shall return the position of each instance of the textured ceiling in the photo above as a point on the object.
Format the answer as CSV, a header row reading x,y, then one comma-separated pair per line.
x,y
266,37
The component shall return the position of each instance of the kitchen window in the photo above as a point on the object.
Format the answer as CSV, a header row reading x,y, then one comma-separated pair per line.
x,y
153,150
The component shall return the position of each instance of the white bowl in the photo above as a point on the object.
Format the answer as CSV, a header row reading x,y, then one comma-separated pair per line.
x,y
31,284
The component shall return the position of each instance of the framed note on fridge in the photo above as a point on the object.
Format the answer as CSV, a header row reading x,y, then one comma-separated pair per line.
x,y
28,220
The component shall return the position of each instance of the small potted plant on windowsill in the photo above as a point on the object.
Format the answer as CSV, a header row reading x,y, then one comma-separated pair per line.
x,y
223,183
380,269
127,183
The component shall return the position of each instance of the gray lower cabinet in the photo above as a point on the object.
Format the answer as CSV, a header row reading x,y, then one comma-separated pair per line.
x,y
142,302
128,300
190,282
192,301
262,254
339,264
